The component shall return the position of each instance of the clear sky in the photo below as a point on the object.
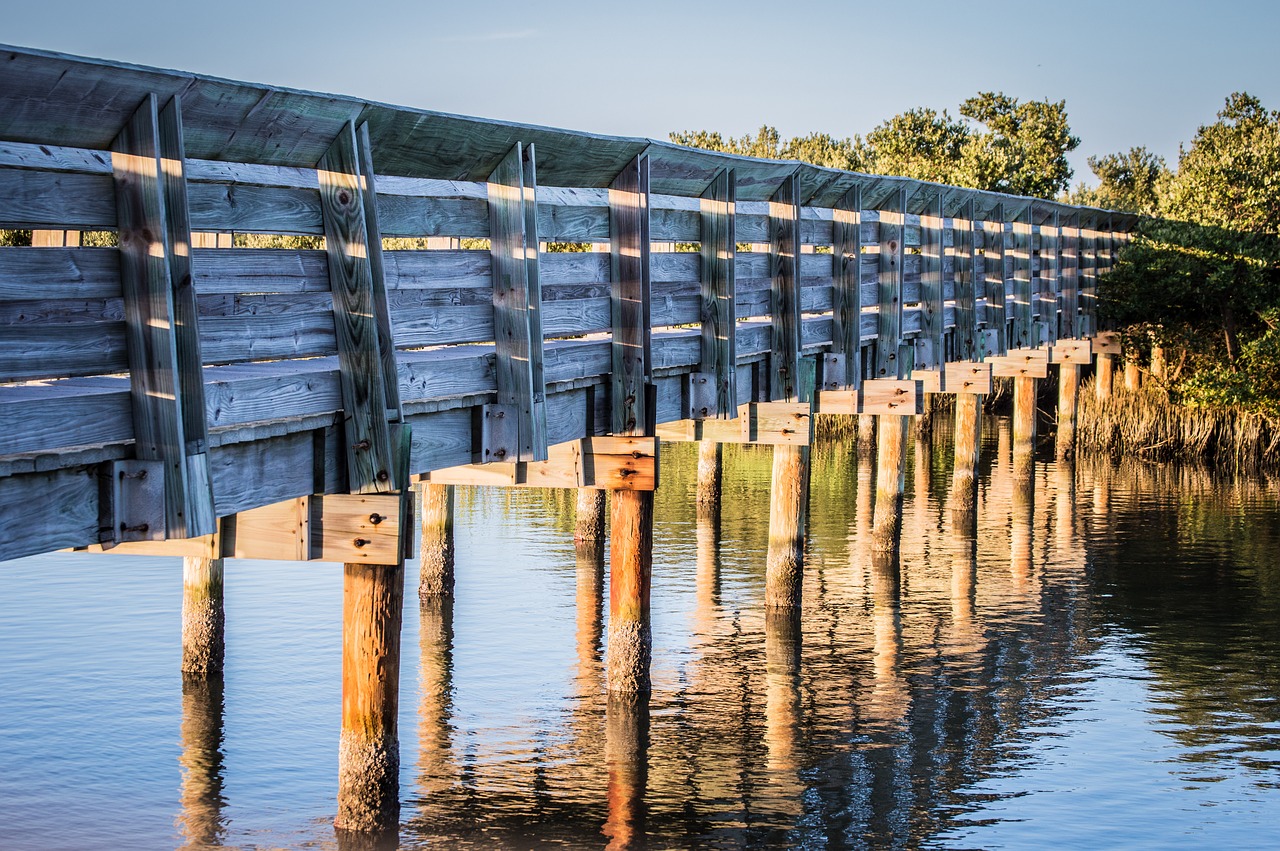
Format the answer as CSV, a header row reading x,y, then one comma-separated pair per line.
x,y
1132,72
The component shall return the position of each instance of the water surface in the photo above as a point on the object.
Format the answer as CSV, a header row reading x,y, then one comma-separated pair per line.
x,y
1096,667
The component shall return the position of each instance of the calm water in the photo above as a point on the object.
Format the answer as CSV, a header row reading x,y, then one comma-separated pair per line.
x,y
1101,669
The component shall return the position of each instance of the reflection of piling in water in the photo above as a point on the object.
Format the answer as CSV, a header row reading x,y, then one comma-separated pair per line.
x,y
630,565
710,478
887,522
1068,396
1064,504
1022,517
203,618
369,749
787,498
889,696
965,635
782,641
435,507
589,522
860,542
590,624
200,821
626,748
964,480
435,759
708,575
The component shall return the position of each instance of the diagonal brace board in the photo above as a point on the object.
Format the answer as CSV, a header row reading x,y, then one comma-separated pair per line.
x,y
629,246
166,385
719,318
370,467
784,291
517,298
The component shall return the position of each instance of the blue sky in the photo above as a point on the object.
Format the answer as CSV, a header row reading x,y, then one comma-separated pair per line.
x,y
1134,72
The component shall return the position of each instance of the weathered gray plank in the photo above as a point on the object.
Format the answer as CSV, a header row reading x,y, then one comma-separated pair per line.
x,y
85,273
369,462
1021,328
930,354
963,252
889,291
629,271
718,308
993,264
784,290
382,313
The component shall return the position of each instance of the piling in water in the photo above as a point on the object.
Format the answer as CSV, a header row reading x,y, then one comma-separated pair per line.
x,y
630,566
435,509
964,480
203,617
887,518
785,566
1024,416
1068,395
369,749
710,478
866,435
589,520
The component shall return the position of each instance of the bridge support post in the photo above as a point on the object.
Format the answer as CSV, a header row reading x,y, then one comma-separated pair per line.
x,y
886,524
589,520
1024,416
1132,373
369,749
203,619
710,479
630,572
866,435
785,565
1104,376
1068,395
435,505
964,481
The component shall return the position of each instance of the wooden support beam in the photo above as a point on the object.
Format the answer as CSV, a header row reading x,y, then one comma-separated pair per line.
x,y
968,432
1021,363
710,479
589,520
993,264
629,301
1078,352
203,618
788,494
761,423
517,298
159,305
1068,396
381,306
1088,286
784,291
1048,282
622,462
1024,416
964,263
719,364
630,574
1106,343
846,294
968,377
370,465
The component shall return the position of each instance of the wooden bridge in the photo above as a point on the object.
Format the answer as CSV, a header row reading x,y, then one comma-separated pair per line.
x,y
179,395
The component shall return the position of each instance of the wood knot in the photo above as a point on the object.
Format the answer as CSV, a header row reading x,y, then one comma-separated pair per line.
x,y
344,197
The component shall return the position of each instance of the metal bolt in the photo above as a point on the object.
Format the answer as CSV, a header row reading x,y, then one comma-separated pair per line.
x,y
360,542
363,444
376,518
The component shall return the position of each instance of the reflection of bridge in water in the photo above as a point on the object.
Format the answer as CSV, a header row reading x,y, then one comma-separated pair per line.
x,y
177,394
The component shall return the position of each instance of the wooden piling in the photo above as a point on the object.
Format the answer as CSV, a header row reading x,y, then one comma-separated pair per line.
x,y
589,522
1132,373
887,520
1024,416
866,435
1068,396
784,568
435,507
710,476
369,749
1104,376
630,565
964,480
203,618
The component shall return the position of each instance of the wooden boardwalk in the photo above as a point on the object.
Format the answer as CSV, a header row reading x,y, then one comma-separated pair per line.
x,y
180,395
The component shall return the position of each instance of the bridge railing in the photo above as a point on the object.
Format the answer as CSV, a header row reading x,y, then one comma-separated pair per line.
x,y
262,339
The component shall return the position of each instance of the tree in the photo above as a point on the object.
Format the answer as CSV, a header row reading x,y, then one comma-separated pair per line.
x,y
1230,176
1024,148
819,149
919,143
1131,182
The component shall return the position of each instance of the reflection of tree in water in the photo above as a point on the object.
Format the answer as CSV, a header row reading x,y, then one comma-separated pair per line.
x,y
905,685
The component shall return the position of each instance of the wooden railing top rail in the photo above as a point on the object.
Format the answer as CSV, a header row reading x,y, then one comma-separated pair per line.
x,y
78,102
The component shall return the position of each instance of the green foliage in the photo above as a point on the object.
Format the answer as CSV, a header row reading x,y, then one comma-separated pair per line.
x,y
1131,182
14,238
1230,176
919,143
820,149
1024,148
